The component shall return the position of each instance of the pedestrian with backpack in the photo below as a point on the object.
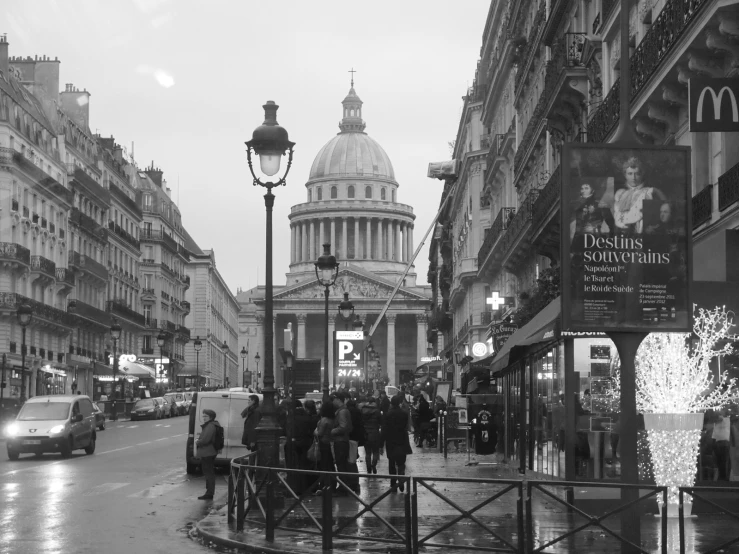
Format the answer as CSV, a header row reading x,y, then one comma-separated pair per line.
x,y
208,444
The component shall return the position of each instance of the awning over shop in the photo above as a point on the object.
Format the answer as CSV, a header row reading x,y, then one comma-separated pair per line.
x,y
431,367
136,369
543,327
102,370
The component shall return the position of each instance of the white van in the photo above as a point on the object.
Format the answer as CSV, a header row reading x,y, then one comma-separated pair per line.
x,y
228,406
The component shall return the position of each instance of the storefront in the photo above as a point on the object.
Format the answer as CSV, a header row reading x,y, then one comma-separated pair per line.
x,y
51,380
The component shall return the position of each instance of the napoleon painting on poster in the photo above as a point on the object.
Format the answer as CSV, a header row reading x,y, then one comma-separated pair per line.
x,y
626,238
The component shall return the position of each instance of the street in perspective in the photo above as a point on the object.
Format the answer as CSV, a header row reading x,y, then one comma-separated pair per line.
x,y
400,277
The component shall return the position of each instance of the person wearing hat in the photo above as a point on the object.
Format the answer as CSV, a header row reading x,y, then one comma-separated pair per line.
x,y
206,451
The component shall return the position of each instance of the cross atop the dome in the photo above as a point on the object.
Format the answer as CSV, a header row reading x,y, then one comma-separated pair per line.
x,y
352,71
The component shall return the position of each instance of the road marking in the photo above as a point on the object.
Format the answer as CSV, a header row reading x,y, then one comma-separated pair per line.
x,y
42,465
105,487
168,426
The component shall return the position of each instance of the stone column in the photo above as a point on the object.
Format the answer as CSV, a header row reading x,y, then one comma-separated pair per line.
x,y
303,241
333,234
331,327
356,238
404,239
344,239
302,318
322,236
410,240
292,244
368,240
312,241
420,337
391,348
390,239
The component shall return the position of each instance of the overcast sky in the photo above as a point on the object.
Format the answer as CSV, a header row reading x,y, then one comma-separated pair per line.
x,y
185,81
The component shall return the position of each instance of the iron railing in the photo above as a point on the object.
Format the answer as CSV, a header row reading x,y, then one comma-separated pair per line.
x,y
698,493
12,251
728,188
702,206
494,233
44,265
65,275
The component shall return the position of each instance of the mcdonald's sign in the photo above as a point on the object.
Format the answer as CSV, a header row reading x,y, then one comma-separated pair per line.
x,y
713,104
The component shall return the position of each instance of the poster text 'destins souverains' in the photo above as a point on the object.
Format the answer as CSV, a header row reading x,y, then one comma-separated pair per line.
x,y
626,238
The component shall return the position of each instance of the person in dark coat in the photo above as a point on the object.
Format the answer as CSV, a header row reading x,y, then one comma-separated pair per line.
x,y
323,432
395,438
357,433
252,415
207,452
384,403
301,439
371,420
425,415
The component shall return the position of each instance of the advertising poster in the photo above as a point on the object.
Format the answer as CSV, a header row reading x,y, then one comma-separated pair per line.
x,y
626,238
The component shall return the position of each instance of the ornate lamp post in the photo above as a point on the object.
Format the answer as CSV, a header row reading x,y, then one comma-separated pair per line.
x,y
24,314
346,310
161,338
327,270
115,334
259,375
244,354
225,362
270,142
198,344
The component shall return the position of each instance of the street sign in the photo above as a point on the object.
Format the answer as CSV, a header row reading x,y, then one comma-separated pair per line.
x,y
713,104
349,352
501,332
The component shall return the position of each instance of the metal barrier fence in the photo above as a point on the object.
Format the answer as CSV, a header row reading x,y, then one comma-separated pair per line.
x,y
278,499
695,494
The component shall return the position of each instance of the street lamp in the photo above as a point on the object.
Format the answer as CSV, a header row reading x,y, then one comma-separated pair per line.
x,y
225,361
270,142
346,309
327,270
259,375
24,315
115,334
244,354
161,338
198,344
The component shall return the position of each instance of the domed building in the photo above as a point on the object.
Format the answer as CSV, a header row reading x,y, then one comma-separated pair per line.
x,y
351,204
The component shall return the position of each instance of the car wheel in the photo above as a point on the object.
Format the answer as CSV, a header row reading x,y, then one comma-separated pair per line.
x,y
67,448
12,454
101,427
192,469
90,448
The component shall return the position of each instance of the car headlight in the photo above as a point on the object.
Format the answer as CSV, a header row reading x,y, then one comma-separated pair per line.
x,y
151,409
11,430
56,429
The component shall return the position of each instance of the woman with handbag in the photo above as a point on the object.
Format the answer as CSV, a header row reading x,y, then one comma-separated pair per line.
x,y
371,419
252,415
323,434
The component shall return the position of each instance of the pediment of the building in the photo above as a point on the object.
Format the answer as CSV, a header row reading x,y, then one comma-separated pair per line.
x,y
358,285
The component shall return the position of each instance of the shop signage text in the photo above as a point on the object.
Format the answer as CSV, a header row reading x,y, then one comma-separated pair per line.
x,y
501,333
349,347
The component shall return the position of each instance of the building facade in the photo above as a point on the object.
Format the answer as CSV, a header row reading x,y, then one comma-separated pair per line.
x,y
351,204
548,75
213,314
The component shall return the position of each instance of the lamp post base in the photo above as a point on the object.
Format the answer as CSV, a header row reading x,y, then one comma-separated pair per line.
x,y
268,441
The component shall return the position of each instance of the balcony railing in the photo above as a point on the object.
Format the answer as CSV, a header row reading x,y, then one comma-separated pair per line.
x,y
88,264
702,206
40,310
121,309
15,252
184,252
659,40
159,235
728,188
494,233
147,351
147,291
574,42
167,325
548,196
125,235
88,223
519,221
125,199
44,265
64,275
184,331
82,309
486,318
91,186
151,323
43,179
185,305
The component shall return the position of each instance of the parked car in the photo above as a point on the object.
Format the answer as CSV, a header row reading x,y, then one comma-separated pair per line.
x,y
99,417
169,409
146,408
55,423
179,400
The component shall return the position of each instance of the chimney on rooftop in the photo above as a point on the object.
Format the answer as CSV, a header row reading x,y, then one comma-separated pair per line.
x,y
4,66
155,174
76,104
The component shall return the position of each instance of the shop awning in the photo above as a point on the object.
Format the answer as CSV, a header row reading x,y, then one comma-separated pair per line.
x,y
136,369
543,327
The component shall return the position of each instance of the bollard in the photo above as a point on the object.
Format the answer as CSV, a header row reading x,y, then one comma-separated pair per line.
x,y
414,514
327,522
240,515
230,494
529,522
268,508
408,516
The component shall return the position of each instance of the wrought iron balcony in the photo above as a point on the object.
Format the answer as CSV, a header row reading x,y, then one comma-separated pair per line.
x,y
147,351
121,196
486,318
43,179
89,312
702,206
147,291
728,188
90,185
119,308
12,300
125,235
185,305
183,331
64,275
9,251
167,325
664,33
150,235
43,265
151,323
493,234
184,252
86,222
518,223
548,196
88,265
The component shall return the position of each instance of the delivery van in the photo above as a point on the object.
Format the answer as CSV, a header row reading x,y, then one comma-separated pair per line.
x,y
228,406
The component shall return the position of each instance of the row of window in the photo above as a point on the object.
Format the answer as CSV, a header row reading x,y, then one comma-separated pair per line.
x,y
350,192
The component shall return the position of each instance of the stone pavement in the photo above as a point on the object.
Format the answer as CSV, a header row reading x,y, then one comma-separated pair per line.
x,y
550,518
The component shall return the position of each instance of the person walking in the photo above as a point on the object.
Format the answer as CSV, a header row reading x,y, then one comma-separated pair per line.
x,y
340,436
371,419
357,433
206,451
323,432
395,438
252,415
384,403
302,438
